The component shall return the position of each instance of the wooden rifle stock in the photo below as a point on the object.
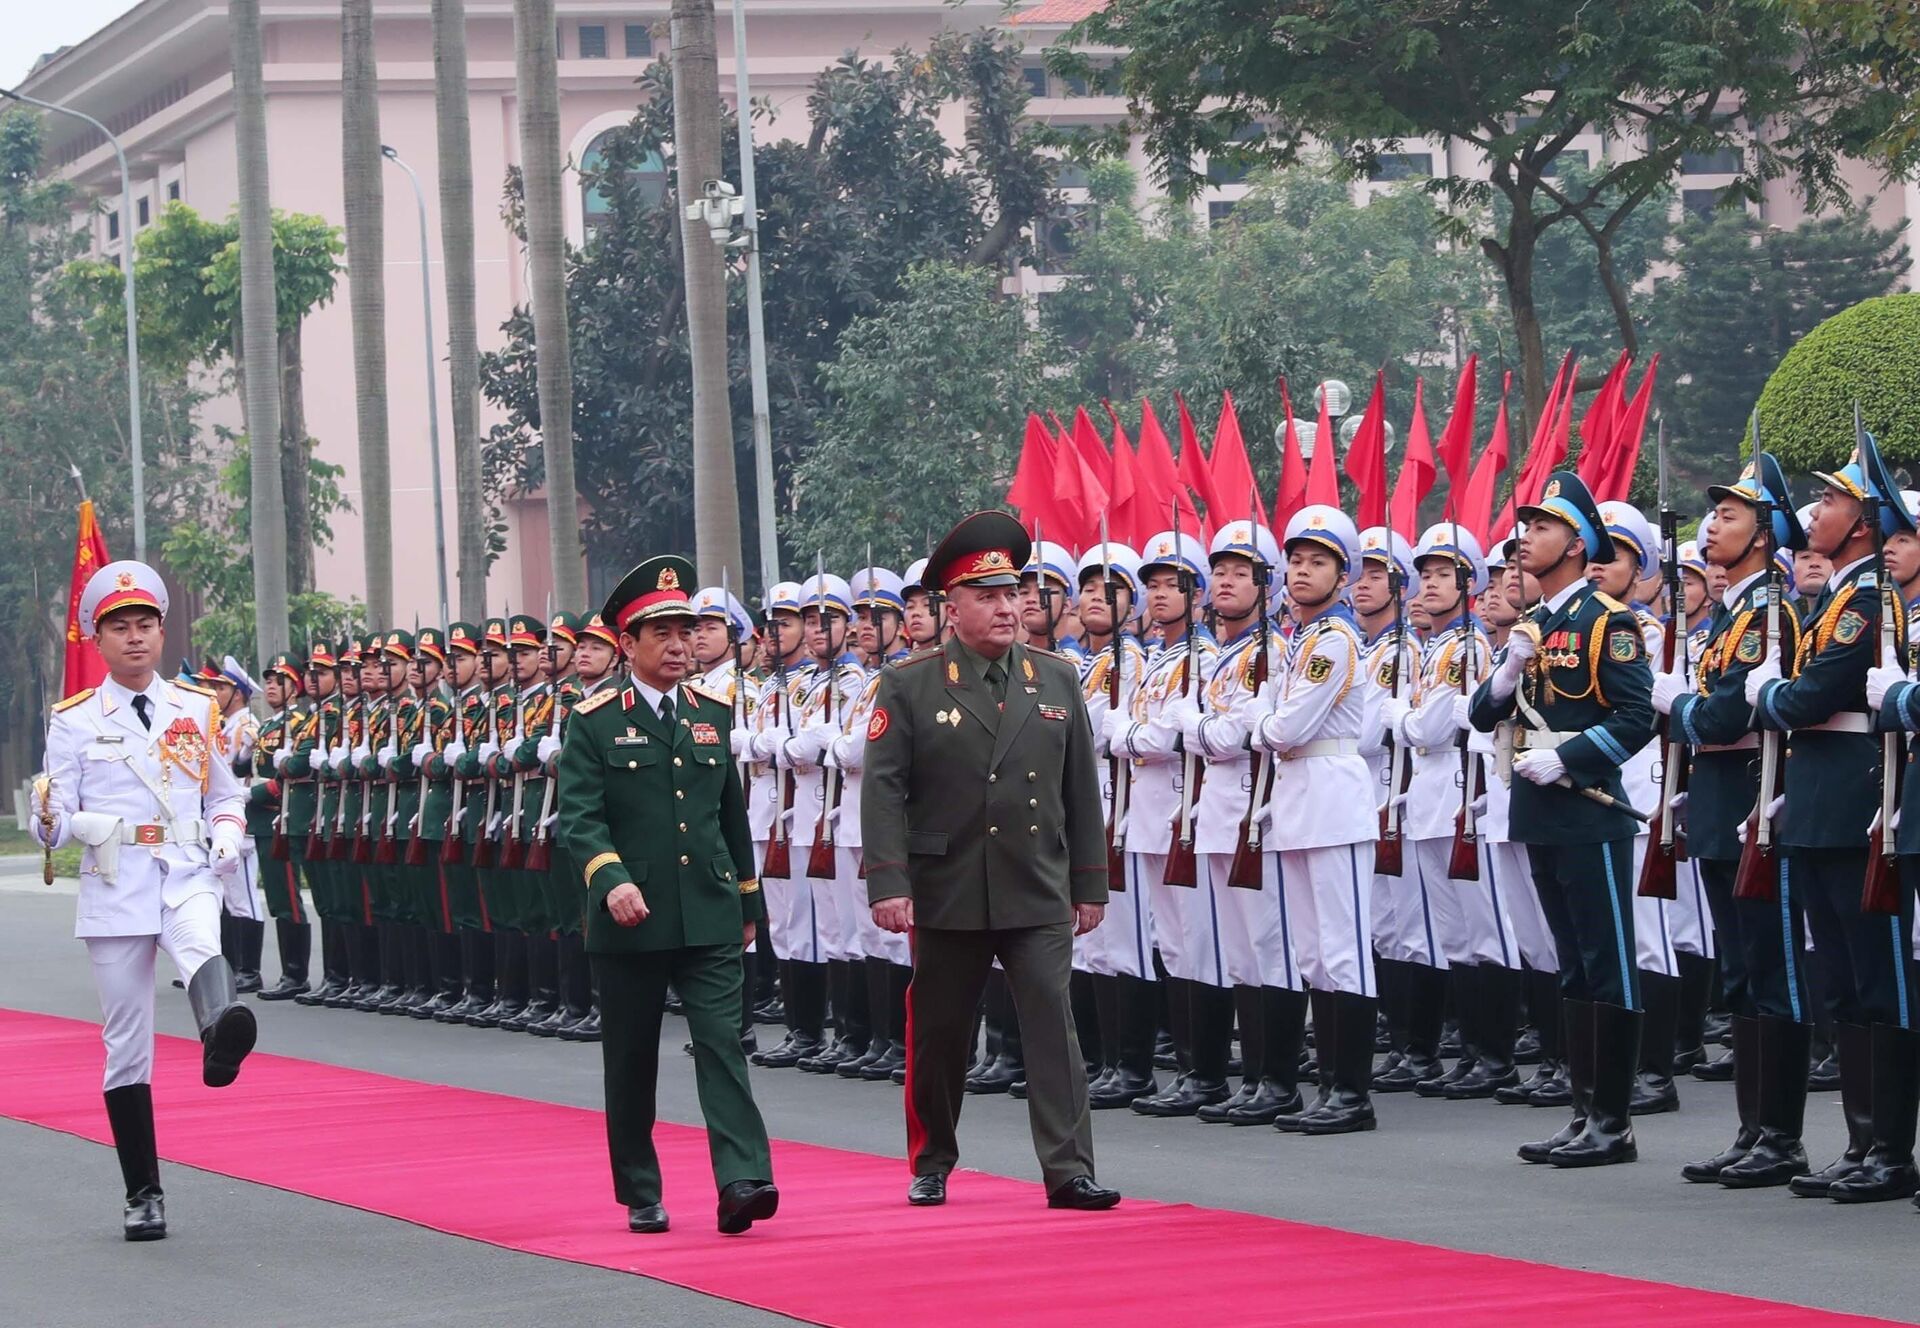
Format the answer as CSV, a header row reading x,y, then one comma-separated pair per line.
x,y
777,864
1463,858
1881,891
1245,872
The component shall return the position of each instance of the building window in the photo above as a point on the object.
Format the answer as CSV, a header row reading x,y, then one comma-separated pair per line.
x,y
1579,157
593,41
1036,79
639,41
650,178
1718,161
1069,175
173,191
1701,203
142,212
1218,211
1402,166
113,225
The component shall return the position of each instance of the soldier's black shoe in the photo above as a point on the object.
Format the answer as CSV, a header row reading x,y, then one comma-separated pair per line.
x,y
883,1069
1526,1046
1887,1171
1215,1113
227,1028
900,1077
1607,1138
856,1068
1164,1055
1413,1068
1083,1194
1437,1085
1823,1076
996,1076
1653,1095
1555,1092
646,1219
145,1216
1718,1070
247,983
744,1202
1121,1089
1271,1100
829,1058
587,1030
286,990
1577,1022
770,1011
130,1113
789,1053
1017,1090
928,1191
296,950
553,1023
1853,1048
1521,1094
1185,1098
1747,1102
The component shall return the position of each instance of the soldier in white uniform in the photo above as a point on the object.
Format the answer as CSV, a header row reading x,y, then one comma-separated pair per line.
x,y
243,925
1322,811
721,624
134,774
1173,573
1257,948
1119,952
886,959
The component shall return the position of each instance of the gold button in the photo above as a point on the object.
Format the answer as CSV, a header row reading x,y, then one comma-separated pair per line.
x,y
684,859
993,829
676,760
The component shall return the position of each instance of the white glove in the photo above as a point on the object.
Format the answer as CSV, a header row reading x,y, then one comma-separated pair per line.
x,y
488,750
1540,767
226,850
1513,664
1677,803
454,750
1393,715
549,746
1461,706
1183,713
741,740
281,757
338,759
362,752
1667,688
1112,728
1774,807
1479,807
1766,671
421,752
1879,678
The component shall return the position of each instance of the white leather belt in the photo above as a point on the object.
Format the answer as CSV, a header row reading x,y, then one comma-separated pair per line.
x,y
1539,740
1745,743
1847,721
1323,747
154,834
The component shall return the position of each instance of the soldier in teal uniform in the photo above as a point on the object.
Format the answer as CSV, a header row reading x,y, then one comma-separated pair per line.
x,y
1572,691
1862,960
1762,967
654,819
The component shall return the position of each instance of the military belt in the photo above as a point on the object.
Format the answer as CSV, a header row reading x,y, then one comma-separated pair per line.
x,y
1745,743
1322,747
1539,740
1847,721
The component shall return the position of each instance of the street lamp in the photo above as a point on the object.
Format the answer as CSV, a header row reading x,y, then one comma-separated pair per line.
x,y
433,392
133,336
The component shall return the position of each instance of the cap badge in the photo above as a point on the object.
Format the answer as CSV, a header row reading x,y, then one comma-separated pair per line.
x,y
124,581
669,579
1553,490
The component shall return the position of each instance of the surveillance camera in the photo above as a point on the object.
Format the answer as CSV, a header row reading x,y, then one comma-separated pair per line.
x,y
718,189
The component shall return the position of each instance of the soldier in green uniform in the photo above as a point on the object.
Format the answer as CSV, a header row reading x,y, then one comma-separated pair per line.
x,y
654,819
573,986
455,768
343,845
491,798
596,659
382,675
308,763
413,909
981,818
523,788
428,827
283,732
1574,671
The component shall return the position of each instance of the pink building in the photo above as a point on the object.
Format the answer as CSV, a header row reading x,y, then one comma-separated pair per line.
x,y
160,78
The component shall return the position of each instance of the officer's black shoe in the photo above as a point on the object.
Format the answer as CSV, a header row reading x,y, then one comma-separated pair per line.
x,y
1271,1099
996,1076
1717,1028
526,1016
296,949
588,1029
1653,1094
1853,1047
789,1053
1716,1070
1344,1024
885,1066
744,1202
1288,1122
1487,1077
1121,1089
900,1077
1887,1171
1215,1113
570,1031
1083,1194
227,1028
1185,1098
1577,1023
1493,998
130,1113
749,1042
1413,1068
247,983
1521,1094
1770,1094
1555,1092
1451,1043
1017,1090
488,1015
928,1191
673,1004
646,1219
553,1023
1608,1136
830,1056
285,990
1653,1090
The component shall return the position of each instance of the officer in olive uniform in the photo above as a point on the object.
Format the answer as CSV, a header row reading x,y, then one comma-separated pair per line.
x,y
655,821
984,833
277,814
1573,688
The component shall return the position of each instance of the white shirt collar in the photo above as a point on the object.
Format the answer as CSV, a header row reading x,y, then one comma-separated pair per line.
x,y
1734,593
651,694
1840,573
123,696
1567,592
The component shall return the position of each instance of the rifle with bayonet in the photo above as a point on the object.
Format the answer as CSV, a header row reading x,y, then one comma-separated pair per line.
x,y
1881,893
486,852
1659,872
1118,771
820,864
513,852
777,863
280,850
1463,860
1388,853
1182,869
1246,870
1758,875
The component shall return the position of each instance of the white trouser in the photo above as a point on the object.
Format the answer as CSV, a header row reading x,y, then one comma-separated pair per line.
x,y
871,941
1689,920
1412,928
1256,928
791,913
1507,867
1186,925
123,974
1472,923
250,873
1653,942
1122,945
833,906
1329,910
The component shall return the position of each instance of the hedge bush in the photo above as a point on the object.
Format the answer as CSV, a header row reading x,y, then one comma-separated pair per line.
x,y
1869,353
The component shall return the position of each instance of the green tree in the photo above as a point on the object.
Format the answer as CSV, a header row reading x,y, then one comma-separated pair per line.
x,y
1868,354
1515,80
924,410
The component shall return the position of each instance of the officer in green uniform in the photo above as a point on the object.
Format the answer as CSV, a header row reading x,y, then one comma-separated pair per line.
x,y
309,763
1572,689
983,829
455,768
654,819
281,734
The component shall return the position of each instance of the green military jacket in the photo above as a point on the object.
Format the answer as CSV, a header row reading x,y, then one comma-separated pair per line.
x,y
662,810
987,818
263,798
322,733
440,729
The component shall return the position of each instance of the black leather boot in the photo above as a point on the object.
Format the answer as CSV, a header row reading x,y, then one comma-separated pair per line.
x,y
1608,1136
1106,1009
577,991
476,960
250,942
1137,1006
564,959
509,980
1543,1010
1778,1049
227,1028
543,984
1008,1064
1344,1022
1283,1019
1887,1171
1463,982
871,974
806,1002
130,1113
381,966
1250,1019
1690,1017
1209,1041
898,977
333,965
1746,1103
1395,1003
296,947
448,963
1853,1046
1423,995
1653,1087
1576,1023
1496,1001
835,1049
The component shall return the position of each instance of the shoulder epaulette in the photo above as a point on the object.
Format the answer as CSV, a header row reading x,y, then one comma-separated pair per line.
x,y
1611,604
705,692
918,657
72,701
191,687
595,701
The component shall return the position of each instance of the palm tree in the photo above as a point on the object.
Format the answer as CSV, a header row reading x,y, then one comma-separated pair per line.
x,y
366,295
452,118
537,83
259,332
696,150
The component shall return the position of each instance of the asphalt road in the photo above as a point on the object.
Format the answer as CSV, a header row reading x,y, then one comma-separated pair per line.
x,y
1439,1173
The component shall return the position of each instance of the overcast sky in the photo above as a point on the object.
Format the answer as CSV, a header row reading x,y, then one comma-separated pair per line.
x,y
35,27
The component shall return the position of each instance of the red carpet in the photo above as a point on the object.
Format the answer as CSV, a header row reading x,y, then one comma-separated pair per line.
x,y
845,1250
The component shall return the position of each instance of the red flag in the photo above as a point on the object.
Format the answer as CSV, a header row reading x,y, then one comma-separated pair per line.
x,y
1475,510
1073,507
1194,469
1630,430
84,666
1158,480
1323,471
1125,502
1093,450
1367,458
1032,488
1292,495
1416,470
1232,471
1600,426
1456,442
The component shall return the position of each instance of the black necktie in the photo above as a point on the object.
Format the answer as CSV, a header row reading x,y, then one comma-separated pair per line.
x,y
997,680
666,710
141,705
